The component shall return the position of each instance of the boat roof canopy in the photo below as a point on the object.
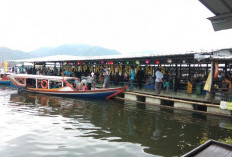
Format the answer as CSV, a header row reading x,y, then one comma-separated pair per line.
x,y
26,76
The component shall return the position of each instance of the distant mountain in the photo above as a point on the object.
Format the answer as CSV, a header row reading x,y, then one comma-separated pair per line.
x,y
9,54
75,49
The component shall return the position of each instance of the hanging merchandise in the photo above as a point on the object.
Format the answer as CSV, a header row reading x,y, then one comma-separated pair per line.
x,y
169,60
189,87
137,62
97,69
80,69
91,68
127,69
148,70
147,61
137,69
112,69
5,66
102,61
79,63
118,69
162,69
75,68
85,68
110,62
157,61
105,66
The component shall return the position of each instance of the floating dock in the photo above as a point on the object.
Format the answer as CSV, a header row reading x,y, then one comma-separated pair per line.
x,y
183,103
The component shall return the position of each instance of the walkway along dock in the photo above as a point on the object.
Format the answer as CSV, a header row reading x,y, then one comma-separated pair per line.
x,y
175,102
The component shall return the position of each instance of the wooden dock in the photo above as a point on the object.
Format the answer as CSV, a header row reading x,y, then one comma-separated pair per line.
x,y
182,103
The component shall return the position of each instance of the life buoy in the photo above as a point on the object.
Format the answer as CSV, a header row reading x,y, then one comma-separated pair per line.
x,y
44,84
216,71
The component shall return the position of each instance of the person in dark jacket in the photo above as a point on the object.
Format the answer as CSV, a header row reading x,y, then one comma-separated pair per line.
x,y
140,77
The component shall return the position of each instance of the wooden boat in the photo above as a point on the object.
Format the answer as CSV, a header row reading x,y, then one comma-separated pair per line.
x,y
211,148
4,80
64,86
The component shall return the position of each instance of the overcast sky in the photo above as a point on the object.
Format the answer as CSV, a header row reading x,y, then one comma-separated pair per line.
x,y
124,25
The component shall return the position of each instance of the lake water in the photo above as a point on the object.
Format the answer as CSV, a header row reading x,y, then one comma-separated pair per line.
x,y
35,125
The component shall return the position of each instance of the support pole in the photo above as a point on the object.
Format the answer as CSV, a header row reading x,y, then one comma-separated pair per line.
x,y
180,71
33,71
61,68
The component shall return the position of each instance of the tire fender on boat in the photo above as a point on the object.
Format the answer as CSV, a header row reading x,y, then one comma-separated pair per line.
x,y
46,84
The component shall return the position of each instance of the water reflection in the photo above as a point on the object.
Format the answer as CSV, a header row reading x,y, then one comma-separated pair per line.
x,y
154,130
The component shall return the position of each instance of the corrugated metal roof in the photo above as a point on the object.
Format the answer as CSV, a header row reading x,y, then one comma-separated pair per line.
x,y
218,7
63,58
223,11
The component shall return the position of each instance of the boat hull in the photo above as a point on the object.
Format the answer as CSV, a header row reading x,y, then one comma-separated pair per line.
x,y
5,82
95,94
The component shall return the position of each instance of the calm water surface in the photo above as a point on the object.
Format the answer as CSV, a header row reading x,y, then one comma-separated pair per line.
x,y
35,125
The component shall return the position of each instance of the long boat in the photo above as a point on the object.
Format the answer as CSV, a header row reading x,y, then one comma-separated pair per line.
x,y
60,86
4,80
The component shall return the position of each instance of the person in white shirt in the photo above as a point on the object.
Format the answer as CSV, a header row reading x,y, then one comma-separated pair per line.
x,y
158,81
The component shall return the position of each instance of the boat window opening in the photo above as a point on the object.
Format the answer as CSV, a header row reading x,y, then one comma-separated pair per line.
x,y
31,83
39,84
55,84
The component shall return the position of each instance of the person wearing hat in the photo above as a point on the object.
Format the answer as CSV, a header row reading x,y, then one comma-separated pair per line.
x,y
158,80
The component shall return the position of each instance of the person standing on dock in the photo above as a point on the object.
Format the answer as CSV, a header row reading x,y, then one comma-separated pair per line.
x,y
140,76
158,81
132,77
94,80
106,83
